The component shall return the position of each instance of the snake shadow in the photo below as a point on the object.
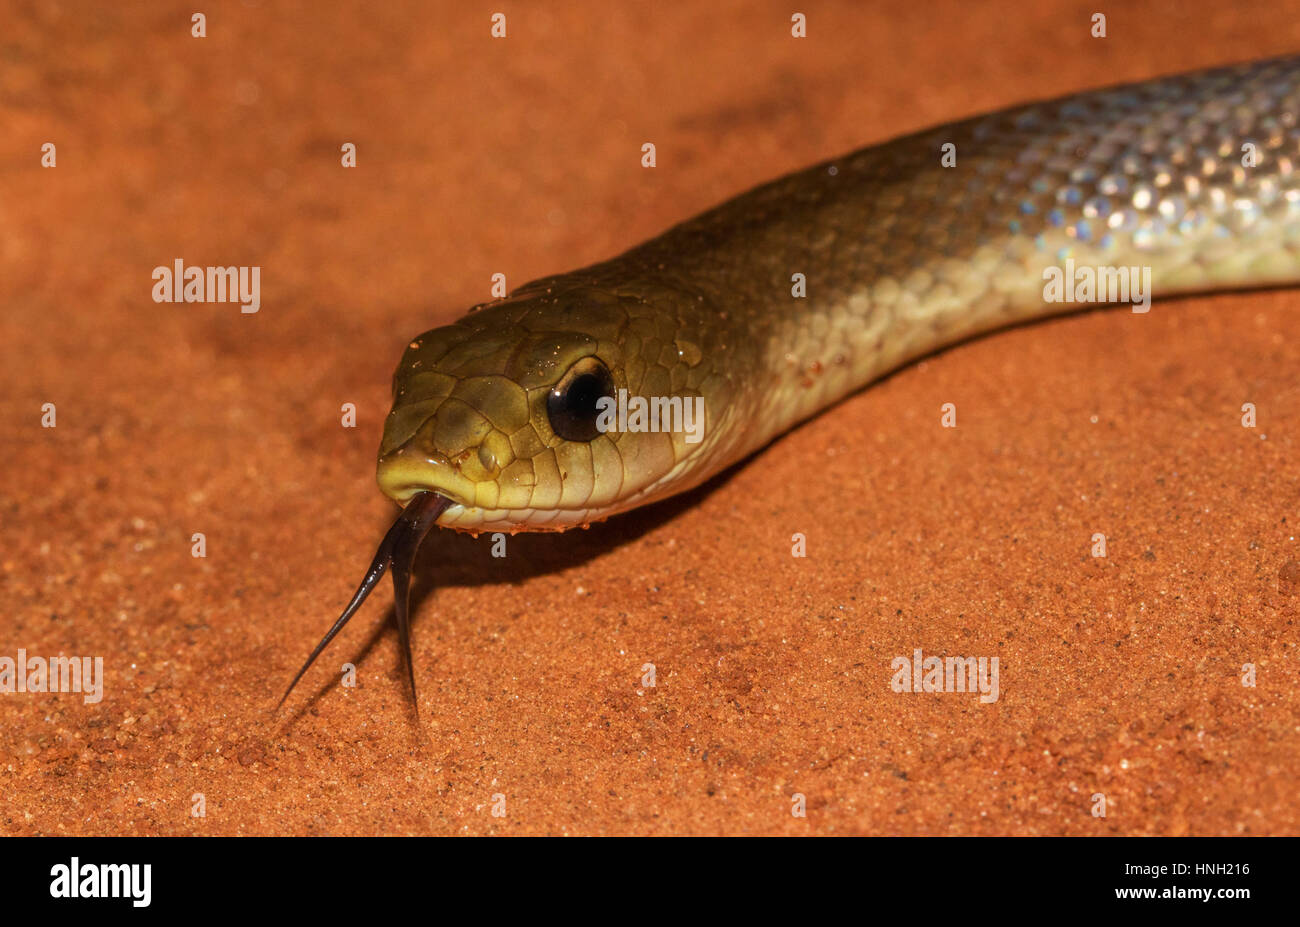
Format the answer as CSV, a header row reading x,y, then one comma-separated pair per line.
x,y
451,558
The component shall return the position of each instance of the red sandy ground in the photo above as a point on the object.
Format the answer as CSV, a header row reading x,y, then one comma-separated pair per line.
x,y
1118,675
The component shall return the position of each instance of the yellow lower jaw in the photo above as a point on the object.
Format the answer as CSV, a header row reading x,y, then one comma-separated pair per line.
x,y
511,521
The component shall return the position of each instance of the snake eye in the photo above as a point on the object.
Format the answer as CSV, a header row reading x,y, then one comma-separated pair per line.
x,y
571,405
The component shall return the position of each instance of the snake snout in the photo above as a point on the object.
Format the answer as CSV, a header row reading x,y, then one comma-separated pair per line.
x,y
456,452
405,472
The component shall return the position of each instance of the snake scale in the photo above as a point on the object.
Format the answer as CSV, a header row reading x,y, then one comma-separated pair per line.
x,y
775,304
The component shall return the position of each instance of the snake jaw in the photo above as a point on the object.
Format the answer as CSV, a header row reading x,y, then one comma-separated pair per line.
x,y
396,551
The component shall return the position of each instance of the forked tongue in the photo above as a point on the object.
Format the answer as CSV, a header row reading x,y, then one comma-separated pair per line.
x,y
396,550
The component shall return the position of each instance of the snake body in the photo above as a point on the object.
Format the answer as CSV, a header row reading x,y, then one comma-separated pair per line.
x,y
781,301
1195,176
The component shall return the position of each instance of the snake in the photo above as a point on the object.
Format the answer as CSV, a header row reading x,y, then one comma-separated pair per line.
x,y
774,305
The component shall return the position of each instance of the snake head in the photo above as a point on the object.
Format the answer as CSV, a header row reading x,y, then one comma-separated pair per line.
x,y
502,412
496,422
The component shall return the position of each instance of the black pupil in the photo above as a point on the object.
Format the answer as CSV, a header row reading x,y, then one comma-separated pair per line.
x,y
572,406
